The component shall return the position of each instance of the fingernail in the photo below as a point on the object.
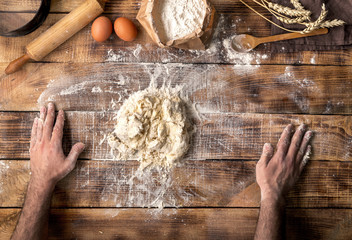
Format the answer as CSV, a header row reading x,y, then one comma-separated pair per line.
x,y
288,127
61,113
50,105
42,109
267,148
309,134
83,146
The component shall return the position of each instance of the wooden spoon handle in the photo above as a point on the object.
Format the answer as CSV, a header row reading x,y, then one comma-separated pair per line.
x,y
16,64
287,36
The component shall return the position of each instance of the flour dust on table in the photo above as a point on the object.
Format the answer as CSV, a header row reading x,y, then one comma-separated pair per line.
x,y
219,48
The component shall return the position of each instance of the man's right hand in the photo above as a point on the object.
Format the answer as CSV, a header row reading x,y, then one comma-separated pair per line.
x,y
277,173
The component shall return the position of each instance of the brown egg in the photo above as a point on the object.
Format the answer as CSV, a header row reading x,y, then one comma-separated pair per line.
x,y
125,29
101,29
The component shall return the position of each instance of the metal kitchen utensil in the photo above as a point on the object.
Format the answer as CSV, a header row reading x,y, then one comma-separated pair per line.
x,y
14,23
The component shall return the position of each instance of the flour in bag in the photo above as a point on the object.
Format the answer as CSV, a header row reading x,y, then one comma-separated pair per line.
x,y
182,17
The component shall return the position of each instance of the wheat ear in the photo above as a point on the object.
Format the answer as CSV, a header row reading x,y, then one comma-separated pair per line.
x,y
297,4
316,24
300,14
287,11
299,20
261,15
332,23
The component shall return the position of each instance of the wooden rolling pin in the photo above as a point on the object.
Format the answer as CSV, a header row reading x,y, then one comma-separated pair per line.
x,y
59,33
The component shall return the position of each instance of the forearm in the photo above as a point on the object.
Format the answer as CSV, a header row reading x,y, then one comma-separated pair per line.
x,y
33,221
270,223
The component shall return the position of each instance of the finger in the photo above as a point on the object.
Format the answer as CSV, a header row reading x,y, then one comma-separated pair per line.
x,y
267,154
49,121
305,158
40,124
72,157
296,141
284,142
302,150
34,133
58,128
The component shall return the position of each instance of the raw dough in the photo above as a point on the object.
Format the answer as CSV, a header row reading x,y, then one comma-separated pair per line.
x,y
152,125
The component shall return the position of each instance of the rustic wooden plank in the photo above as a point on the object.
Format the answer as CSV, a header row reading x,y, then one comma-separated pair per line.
x,y
212,88
218,136
12,21
119,6
82,48
19,6
192,184
183,223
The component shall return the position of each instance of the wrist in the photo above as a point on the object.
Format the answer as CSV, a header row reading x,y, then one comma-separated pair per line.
x,y
272,197
40,185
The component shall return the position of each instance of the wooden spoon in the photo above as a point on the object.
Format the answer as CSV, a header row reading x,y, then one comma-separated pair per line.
x,y
245,42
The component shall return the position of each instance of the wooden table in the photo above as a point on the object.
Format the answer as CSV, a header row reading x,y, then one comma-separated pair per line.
x,y
243,102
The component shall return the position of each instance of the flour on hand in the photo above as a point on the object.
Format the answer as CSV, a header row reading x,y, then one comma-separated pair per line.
x,y
152,125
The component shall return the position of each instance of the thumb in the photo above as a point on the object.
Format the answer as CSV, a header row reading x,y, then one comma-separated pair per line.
x,y
76,150
267,153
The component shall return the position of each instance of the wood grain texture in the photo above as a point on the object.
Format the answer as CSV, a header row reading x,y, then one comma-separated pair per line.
x,y
192,184
212,88
119,6
244,100
218,136
20,6
13,21
82,48
123,223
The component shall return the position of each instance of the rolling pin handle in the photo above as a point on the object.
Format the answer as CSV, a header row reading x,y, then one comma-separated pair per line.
x,y
16,64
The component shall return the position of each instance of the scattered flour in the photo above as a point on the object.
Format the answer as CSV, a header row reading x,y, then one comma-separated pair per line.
x,y
219,48
152,187
301,87
70,85
96,90
157,186
137,51
312,60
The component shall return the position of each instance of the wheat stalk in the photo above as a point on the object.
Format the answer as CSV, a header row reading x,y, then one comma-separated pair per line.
x,y
275,13
287,11
297,15
261,15
283,18
332,23
292,20
315,25
297,4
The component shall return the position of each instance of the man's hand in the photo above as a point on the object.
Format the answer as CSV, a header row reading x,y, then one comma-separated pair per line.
x,y
277,174
48,166
48,161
